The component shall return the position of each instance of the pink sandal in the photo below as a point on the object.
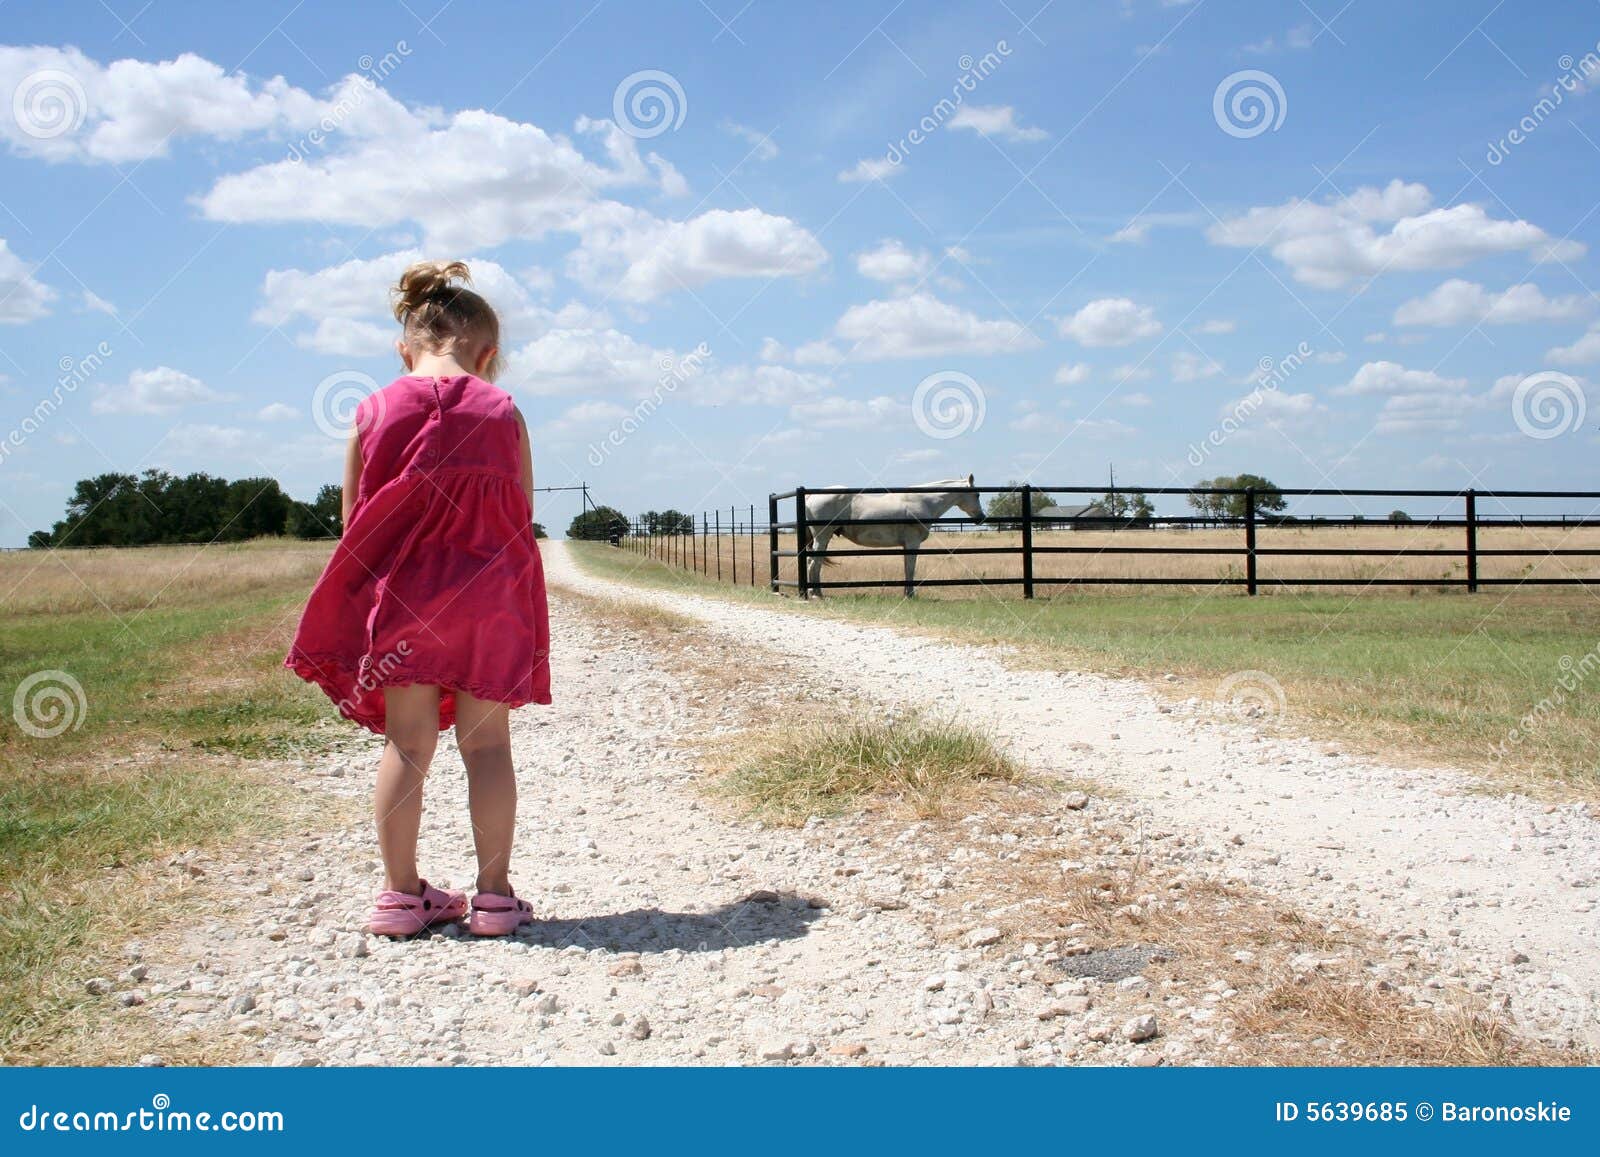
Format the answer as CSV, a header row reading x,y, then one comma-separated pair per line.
x,y
402,914
497,915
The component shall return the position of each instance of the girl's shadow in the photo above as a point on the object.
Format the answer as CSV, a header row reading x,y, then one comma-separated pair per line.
x,y
770,916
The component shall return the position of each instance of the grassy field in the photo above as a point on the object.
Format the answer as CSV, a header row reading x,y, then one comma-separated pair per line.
x,y
1439,676
165,661
730,557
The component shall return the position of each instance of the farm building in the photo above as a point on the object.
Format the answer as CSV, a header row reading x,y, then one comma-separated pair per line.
x,y
1090,515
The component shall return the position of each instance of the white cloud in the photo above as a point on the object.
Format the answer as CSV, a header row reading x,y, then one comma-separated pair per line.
x,y
1132,372
1458,302
1188,366
765,385
157,391
1328,244
920,325
638,257
575,361
994,120
1110,321
1136,399
131,110
1581,352
1135,232
817,353
277,412
1393,378
22,297
94,303
870,169
350,304
891,260
1073,373
348,338
772,350
761,145
582,418
840,413
1216,325
1417,413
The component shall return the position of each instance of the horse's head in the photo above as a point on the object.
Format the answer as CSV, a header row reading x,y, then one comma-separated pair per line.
x,y
969,502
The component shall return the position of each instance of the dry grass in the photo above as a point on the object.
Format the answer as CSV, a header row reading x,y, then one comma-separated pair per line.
x,y
1308,992
1384,542
177,651
128,581
828,766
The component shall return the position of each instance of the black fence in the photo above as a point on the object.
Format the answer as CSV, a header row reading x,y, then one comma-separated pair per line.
x,y
724,545
1252,518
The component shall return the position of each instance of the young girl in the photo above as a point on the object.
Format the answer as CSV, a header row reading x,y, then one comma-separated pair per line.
x,y
431,611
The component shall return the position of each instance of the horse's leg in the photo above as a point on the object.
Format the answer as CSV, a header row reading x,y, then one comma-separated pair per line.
x,y
911,570
819,543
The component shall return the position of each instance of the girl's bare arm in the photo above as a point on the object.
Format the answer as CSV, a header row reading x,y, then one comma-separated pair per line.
x,y
527,459
352,478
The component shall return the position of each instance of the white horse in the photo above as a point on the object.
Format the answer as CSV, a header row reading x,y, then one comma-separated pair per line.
x,y
913,514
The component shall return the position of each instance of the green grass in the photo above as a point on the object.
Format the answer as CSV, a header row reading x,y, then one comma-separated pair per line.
x,y
1437,675
176,700
828,767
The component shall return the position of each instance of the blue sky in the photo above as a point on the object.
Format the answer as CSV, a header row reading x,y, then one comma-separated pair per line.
x,y
1057,218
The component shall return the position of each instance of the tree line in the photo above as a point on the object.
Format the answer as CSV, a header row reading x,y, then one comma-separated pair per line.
x,y
156,507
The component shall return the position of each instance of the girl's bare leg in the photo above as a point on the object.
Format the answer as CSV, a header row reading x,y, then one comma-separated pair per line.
x,y
411,736
483,732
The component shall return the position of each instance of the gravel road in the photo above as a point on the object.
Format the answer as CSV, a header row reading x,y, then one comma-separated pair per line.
x,y
672,932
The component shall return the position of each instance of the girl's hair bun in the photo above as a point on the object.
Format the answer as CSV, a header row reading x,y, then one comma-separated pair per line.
x,y
424,282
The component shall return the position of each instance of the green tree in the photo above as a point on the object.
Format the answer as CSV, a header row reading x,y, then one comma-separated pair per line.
x,y
1399,516
320,518
1005,508
597,525
539,531
1130,504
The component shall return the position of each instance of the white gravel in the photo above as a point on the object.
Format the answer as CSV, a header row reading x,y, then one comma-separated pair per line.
x,y
1481,880
670,933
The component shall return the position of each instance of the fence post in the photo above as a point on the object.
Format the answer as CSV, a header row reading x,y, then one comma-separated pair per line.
x,y
800,533
1472,542
751,527
1250,541
1027,540
772,541
719,546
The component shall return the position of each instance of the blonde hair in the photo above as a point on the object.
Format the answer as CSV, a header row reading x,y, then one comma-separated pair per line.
x,y
440,316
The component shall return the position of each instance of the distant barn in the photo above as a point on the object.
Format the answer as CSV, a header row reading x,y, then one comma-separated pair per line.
x,y
1089,516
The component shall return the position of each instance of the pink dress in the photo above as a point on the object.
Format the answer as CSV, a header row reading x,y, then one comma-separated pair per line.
x,y
437,578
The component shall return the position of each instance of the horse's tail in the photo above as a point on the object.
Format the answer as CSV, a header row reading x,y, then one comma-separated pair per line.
x,y
810,543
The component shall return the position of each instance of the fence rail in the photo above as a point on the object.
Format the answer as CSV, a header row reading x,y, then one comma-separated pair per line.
x,y
704,543
1249,522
